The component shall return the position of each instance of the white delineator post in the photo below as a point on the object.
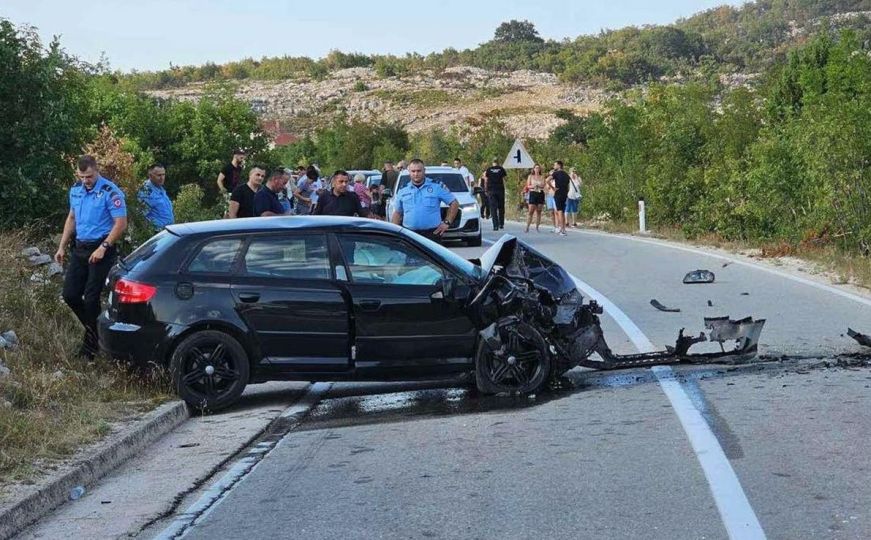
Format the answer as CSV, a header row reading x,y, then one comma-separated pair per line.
x,y
642,222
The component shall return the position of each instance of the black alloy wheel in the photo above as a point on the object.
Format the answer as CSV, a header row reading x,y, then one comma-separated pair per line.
x,y
209,370
521,364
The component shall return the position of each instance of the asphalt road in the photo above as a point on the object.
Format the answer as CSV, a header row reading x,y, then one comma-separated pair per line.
x,y
608,459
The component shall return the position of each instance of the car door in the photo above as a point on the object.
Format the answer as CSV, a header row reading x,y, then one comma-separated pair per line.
x,y
400,315
286,294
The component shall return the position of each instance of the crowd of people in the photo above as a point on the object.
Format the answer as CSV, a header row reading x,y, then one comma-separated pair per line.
x,y
97,218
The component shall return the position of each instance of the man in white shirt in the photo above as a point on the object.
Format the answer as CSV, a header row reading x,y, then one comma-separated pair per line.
x,y
467,176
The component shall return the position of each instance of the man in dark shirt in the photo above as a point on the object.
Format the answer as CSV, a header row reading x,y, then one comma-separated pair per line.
x,y
560,180
494,185
242,199
266,201
230,176
339,201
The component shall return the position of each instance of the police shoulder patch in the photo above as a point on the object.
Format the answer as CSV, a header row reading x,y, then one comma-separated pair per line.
x,y
117,202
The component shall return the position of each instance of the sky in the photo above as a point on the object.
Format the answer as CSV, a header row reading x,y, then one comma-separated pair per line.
x,y
151,34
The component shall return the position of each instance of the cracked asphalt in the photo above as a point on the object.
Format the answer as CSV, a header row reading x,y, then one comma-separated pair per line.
x,y
605,458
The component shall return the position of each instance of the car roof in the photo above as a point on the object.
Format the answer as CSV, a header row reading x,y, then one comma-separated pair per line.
x,y
277,223
434,169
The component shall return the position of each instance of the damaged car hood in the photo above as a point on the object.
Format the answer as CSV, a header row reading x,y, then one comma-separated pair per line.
x,y
516,259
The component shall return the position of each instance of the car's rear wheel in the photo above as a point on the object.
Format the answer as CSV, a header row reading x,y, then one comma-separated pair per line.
x,y
517,362
209,370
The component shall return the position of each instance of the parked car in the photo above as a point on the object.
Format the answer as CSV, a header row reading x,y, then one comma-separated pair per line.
x,y
467,224
226,303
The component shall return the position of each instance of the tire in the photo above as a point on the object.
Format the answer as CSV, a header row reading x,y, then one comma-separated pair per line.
x,y
528,372
474,242
191,377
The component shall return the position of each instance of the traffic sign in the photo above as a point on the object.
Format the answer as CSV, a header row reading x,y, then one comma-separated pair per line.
x,y
518,157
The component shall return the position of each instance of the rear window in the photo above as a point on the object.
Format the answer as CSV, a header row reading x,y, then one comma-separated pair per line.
x,y
216,257
149,249
453,181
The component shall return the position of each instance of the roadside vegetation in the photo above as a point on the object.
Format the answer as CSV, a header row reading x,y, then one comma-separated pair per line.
x,y
51,402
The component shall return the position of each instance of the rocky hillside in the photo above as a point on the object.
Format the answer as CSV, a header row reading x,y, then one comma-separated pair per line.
x,y
524,100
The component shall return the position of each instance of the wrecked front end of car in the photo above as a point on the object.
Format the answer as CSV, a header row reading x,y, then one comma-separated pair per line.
x,y
537,325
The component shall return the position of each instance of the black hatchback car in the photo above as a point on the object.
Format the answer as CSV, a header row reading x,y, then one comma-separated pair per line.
x,y
231,302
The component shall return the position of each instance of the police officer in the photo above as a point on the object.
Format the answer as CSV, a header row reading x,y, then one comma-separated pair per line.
x,y
98,218
417,204
152,194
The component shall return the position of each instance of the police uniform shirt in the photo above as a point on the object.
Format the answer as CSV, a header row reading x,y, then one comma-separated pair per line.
x,y
157,203
420,206
95,210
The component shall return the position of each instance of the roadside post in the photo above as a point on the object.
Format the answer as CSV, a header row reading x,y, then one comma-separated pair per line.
x,y
518,158
642,217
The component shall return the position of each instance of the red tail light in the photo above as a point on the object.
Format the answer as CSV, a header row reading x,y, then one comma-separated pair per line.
x,y
133,292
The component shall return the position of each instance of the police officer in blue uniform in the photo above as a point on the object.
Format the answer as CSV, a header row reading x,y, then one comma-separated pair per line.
x,y
152,195
418,205
97,219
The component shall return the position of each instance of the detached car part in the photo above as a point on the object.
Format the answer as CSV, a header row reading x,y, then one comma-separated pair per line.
x,y
699,276
658,305
860,338
537,326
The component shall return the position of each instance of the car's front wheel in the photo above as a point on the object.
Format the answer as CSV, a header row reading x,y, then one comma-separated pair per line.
x,y
513,358
209,370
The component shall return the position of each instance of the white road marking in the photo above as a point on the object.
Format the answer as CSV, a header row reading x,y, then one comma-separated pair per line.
x,y
738,516
218,491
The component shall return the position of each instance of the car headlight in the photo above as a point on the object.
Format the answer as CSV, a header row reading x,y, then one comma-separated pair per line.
x,y
468,207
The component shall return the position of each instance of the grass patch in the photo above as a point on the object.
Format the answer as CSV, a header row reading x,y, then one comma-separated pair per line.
x,y
427,97
52,403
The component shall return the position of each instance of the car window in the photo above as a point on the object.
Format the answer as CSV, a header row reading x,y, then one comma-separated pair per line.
x,y
288,256
388,262
150,248
216,257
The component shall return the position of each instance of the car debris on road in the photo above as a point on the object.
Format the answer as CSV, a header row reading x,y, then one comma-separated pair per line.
x,y
658,305
699,276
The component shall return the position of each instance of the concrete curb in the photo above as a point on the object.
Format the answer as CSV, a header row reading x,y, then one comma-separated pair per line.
x,y
87,470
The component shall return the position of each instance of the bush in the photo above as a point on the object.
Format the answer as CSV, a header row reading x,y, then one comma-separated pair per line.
x,y
189,205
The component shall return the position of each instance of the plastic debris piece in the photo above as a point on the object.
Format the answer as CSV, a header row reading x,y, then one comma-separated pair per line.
x,y
655,303
860,338
77,492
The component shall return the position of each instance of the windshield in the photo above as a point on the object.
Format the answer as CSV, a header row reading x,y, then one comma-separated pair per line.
x,y
455,261
452,181
144,252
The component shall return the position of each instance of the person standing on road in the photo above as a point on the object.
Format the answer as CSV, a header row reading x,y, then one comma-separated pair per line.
x,y
266,200
417,204
305,191
535,184
467,175
494,186
338,201
152,195
361,191
389,175
97,218
573,203
485,202
559,181
242,198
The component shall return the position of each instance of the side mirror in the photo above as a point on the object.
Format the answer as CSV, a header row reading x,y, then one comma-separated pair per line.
x,y
478,190
453,289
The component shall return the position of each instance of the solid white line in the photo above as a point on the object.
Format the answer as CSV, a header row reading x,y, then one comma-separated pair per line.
x,y
217,492
738,516
735,510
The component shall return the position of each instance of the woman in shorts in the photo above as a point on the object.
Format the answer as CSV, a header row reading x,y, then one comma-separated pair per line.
x,y
535,185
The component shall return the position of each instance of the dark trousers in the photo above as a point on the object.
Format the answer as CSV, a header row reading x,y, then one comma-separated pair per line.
x,y
485,206
497,208
429,234
83,284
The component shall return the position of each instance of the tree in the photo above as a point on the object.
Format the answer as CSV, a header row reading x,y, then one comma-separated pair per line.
x,y
515,31
43,124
